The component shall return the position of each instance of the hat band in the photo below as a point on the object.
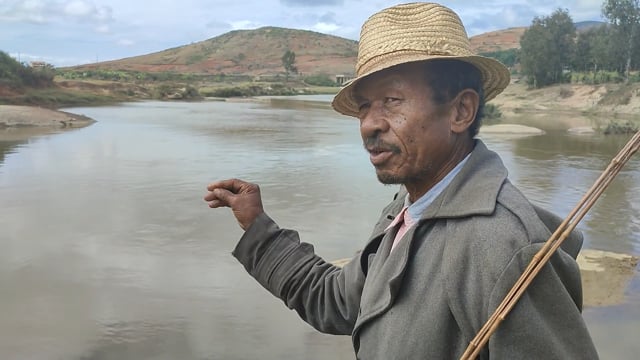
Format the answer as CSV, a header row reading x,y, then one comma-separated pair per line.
x,y
389,59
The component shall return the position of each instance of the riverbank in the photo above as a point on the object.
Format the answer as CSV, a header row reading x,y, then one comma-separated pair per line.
x,y
569,106
16,115
19,123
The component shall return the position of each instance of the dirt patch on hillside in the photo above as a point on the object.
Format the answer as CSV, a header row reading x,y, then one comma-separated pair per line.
x,y
497,40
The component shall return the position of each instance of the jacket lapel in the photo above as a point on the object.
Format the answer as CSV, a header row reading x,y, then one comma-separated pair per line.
x,y
385,276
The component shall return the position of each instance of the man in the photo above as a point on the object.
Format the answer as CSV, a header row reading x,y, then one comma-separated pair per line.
x,y
458,234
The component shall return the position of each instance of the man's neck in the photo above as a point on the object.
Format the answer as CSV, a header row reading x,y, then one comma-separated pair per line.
x,y
419,188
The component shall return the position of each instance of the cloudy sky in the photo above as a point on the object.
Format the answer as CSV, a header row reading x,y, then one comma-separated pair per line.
x,y
71,32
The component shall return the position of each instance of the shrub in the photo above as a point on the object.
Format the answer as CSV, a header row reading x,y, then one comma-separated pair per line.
x,y
320,80
620,128
492,114
566,92
18,75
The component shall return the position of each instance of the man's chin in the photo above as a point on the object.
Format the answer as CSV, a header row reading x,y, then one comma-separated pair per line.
x,y
388,179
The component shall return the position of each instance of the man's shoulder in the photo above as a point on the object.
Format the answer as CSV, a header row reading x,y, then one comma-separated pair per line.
x,y
518,205
496,238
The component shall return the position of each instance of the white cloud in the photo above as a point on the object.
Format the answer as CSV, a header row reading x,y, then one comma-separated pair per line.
x,y
28,11
51,11
103,29
244,24
325,27
126,42
78,8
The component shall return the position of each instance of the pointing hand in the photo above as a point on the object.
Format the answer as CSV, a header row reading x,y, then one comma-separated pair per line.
x,y
242,197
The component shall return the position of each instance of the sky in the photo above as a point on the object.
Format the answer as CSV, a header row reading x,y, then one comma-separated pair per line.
x,y
74,32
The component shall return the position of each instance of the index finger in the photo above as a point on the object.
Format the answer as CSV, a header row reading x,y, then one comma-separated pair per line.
x,y
232,185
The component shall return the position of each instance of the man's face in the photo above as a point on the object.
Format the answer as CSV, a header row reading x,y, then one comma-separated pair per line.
x,y
407,135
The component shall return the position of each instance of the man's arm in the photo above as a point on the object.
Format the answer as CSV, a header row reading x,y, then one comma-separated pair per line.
x,y
325,296
546,323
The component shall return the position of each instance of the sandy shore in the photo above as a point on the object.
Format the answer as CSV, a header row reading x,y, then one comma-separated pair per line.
x,y
605,276
567,106
19,123
13,115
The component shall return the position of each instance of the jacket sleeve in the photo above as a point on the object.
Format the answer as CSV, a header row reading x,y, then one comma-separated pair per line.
x,y
546,323
325,296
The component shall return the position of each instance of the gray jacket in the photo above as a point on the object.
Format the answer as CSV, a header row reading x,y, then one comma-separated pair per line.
x,y
429,297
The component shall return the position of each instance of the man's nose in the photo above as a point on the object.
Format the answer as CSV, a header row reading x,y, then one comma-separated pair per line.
x,y
373,120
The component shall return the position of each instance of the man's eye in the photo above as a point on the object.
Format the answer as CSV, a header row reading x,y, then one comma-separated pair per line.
x,y
390,100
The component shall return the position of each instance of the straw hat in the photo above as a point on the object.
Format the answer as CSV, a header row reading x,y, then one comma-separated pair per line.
x,y
416,32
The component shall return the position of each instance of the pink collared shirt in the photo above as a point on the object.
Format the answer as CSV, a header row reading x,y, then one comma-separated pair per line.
x,y
406,222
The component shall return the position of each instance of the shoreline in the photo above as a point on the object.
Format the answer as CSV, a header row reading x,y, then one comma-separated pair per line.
x,y
19,123
21,115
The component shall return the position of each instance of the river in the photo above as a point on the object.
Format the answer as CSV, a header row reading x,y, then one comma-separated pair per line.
x,y
107,250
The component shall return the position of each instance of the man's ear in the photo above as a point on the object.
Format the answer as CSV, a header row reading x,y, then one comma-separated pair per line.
x,y
465,107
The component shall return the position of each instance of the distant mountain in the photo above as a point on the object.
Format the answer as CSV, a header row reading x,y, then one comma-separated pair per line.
x,y
248,52
586,25
259,52
510,38
497,40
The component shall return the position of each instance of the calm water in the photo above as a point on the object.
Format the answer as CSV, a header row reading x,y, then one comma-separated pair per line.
x,y
107,250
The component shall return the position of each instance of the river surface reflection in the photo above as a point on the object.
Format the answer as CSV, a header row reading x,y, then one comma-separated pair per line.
x,y
107,250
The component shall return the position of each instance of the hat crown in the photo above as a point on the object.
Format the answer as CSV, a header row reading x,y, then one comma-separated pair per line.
x,y
416,32
401,29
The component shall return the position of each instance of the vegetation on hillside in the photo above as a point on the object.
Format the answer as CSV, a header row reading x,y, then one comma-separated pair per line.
x,y
289,63
16,75
35,84
553,52
509,57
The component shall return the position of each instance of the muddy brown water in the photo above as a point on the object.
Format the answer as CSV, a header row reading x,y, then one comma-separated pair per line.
x,y
107,250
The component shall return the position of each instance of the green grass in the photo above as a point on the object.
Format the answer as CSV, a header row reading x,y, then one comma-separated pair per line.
x,y
55,98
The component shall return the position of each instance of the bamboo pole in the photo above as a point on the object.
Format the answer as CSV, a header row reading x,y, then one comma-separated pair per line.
x,y
549,248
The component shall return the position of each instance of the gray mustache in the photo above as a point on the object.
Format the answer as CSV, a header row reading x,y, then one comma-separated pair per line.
x,y
377,144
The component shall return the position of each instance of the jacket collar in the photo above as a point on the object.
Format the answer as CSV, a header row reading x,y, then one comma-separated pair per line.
x,y
474,190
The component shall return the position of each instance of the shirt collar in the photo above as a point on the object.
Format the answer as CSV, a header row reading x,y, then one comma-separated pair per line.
x,y
416,209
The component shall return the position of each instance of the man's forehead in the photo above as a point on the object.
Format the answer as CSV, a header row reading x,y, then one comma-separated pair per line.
x,y
395,77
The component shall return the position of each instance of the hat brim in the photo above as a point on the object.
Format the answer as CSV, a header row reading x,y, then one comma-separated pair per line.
x,y
495,78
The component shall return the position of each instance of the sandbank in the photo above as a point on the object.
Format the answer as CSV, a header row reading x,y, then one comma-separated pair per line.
x,y
19,123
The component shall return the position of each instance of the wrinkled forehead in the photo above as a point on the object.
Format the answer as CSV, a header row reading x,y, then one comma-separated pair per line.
x,y
395,76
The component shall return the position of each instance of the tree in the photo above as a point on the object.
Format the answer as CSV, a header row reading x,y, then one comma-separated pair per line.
x,y
508,57
547,48
583,60
624,16
17,75
288,61
595,51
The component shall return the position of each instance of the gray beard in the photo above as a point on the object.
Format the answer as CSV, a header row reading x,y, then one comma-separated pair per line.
x,y
417,178
390,180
